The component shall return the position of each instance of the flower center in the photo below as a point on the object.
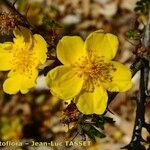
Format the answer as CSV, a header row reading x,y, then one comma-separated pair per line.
x,y
23,61
94,71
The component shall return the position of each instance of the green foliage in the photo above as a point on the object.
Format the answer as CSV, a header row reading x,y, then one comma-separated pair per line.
x,y
100,122
92,132
50,23
93,128
142,6
132,34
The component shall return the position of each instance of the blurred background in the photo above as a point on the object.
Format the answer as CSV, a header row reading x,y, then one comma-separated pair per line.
x,y
37,115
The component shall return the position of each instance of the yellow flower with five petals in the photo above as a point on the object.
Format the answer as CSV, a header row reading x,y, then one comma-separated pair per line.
x,y
22,57
88,71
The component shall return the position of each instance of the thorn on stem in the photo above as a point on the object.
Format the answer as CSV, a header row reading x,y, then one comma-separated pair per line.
x,y
147,126
14,2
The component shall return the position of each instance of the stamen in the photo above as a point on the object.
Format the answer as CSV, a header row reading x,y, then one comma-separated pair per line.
x,y
94,71
24,60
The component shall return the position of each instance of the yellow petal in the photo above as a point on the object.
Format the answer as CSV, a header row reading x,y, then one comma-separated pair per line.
x,y
28,82
12,85
6,46
64,82
5,56
70,49
93,102
121,78
40,46
102,44
19,82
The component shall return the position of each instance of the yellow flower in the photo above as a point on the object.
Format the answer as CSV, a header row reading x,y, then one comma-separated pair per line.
x,y
88,72
22,57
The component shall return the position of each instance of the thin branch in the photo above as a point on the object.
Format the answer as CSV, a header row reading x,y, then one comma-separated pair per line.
x,y
11,8
25,22
140,118
136,141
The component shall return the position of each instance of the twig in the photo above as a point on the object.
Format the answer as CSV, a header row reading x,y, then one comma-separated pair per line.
x,y
26,23
140,123
11,8
136,140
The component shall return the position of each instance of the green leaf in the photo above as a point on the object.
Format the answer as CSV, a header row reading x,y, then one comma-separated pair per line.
x,y
92,132
132,33
96,132
100,122
142,6
139,8
139,3
49,22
